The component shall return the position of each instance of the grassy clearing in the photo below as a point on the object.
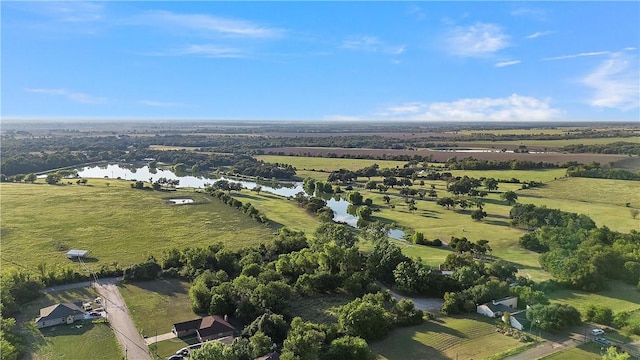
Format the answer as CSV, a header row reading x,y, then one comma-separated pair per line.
x,y
145,300
445,338
619,297
328,164
91,341
116,223
320,308
589,351
591,191
541,175
281,211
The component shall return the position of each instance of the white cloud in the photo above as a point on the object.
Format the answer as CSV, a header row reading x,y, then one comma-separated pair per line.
x,y
161,103
511,108
71,95
538,34
616,83
564,57
371,44
507,63
208,24
477,40
204,50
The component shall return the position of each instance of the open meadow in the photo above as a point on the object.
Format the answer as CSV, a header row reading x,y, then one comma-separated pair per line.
x,y
81,340
463,337
116,223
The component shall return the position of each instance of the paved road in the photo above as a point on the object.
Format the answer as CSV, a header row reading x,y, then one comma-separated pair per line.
x,y
550,346
132,343
421,303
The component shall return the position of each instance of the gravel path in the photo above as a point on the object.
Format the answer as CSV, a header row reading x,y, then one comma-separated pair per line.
x,y
130,340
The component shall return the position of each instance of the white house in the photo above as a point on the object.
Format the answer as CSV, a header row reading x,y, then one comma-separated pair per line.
x,y
498,307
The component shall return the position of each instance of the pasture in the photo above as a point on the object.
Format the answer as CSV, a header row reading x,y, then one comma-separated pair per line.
x,y
90,341
41,222
329,164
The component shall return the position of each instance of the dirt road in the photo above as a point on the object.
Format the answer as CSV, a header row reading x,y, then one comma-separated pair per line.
x,y
130,340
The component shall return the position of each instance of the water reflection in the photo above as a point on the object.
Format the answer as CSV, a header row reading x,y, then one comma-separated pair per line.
x,y
114,171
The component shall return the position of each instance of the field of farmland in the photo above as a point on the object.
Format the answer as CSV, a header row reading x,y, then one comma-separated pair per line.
x,y
41,222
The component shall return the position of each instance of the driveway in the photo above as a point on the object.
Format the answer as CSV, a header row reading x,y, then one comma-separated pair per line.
x,y
128,336
421,303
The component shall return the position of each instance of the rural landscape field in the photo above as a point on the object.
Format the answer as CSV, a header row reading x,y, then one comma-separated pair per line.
x,y
319,180
170,219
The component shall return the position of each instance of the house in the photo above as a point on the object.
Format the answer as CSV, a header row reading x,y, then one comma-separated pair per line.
x,y
498,307
518,319
73,254
205,328
65,313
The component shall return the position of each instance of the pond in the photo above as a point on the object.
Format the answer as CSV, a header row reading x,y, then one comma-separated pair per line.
x,y
181,201
144,173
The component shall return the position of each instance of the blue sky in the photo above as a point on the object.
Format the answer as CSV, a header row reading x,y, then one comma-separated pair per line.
x,y
433,61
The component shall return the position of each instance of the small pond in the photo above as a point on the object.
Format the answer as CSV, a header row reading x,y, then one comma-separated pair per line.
x,y
144,173
181,201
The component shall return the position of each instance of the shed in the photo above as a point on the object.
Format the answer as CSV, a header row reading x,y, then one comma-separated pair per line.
x,y
72,254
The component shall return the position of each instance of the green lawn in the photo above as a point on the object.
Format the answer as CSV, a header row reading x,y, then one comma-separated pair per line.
x,y
166,348
619,297
588,351
116,223
540,175
319,308
145,300
281,211
466,337
90,341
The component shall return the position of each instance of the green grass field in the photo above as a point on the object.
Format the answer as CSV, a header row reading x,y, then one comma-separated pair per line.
x,y
145,300
280,210
469,337
91,341
588,351
115,223
619,297
328,164
541,175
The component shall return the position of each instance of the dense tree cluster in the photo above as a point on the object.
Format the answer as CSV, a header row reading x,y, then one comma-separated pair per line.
x,y
618,147
595,170
470,163
576,252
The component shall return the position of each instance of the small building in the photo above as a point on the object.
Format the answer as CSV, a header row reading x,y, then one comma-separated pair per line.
x,y
496,308
65,313
73,254
518,319
205,328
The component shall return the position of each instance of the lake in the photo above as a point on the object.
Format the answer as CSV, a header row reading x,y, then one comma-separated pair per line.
x,y
144,173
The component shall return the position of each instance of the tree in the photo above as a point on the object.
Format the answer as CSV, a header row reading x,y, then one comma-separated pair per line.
x,y
349,348
634,213
52,178
32,178
260,344
365,319
599,314
386,198
491,184
510,197
446,201
304,341
553,317
213,350
613,354
371,185
478,214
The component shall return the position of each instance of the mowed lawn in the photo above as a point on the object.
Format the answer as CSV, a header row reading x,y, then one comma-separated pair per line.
x,y
90,341
281,211
588,351
619,297
146,300
468,337
116,223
